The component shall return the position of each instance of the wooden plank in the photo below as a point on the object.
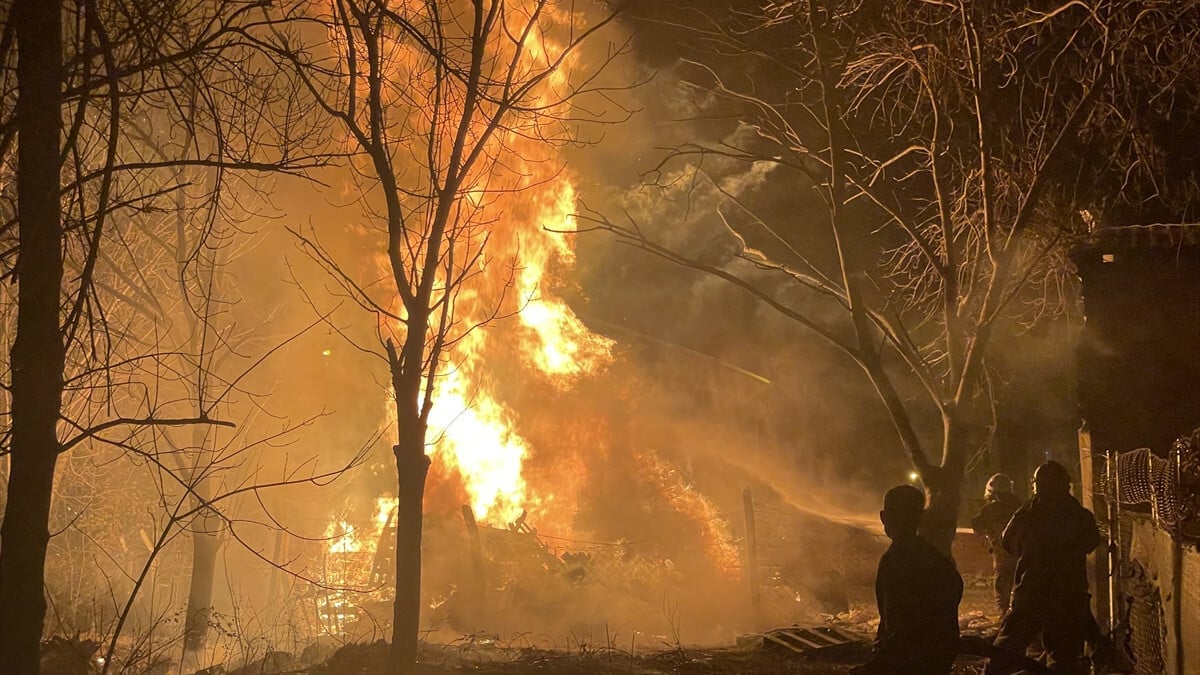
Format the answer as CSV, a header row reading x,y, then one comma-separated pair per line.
x,y
477,592
784,643
806,641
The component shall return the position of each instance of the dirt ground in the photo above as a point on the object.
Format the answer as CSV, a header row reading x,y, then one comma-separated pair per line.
x,y
367,659
490,657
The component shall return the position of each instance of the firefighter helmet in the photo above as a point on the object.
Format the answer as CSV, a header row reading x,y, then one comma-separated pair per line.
x,y
1051,478
998,484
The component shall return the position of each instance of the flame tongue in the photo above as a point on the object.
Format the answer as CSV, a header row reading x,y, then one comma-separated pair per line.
x,y
478,442
561,347
477,434
343,538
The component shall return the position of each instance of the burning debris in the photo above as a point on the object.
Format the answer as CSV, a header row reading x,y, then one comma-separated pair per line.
x,y
482,579
486,578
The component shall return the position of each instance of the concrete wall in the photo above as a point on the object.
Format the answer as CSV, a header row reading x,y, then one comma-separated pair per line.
x,y
1175,570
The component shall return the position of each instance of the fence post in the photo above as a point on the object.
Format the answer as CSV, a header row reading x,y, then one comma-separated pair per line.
x,y
751,547
1096,500
275,589
477,596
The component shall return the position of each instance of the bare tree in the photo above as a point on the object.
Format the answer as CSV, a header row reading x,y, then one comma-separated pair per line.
x,y
206,495
434,96
84,74
37,353
196,241
934,144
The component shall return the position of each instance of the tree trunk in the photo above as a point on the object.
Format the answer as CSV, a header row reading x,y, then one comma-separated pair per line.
x,y
37,356
412,466
943,486
941,516
206,543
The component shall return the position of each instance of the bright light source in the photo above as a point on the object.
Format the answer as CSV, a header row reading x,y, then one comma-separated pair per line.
x,y
913,476
327,352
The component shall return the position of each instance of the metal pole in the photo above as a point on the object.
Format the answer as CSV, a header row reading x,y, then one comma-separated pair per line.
x,y
1177,591
1112,501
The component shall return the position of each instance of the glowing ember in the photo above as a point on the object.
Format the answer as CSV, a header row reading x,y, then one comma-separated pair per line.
x,y
718,541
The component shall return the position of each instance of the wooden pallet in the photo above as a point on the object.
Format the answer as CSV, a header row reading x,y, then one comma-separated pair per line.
x,y
808,639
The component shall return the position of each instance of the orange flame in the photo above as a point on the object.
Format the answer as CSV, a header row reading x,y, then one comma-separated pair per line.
x,y
524,206
477,434
524,203
562,347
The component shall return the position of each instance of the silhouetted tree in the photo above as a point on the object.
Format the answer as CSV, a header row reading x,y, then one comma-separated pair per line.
x,y
38,351
933,155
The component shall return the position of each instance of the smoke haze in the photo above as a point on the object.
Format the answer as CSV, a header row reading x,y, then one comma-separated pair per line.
x,y
638,468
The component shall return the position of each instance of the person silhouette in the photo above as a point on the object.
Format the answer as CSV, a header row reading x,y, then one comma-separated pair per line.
x,y
918,590
998,507
1051,535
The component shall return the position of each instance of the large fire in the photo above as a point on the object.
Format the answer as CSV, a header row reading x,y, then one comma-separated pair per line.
x,y
520,203
523,208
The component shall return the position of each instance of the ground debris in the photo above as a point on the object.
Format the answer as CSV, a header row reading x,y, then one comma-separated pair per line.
x,y
978,624
477,657
357,659
68,656
370,659
272,663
